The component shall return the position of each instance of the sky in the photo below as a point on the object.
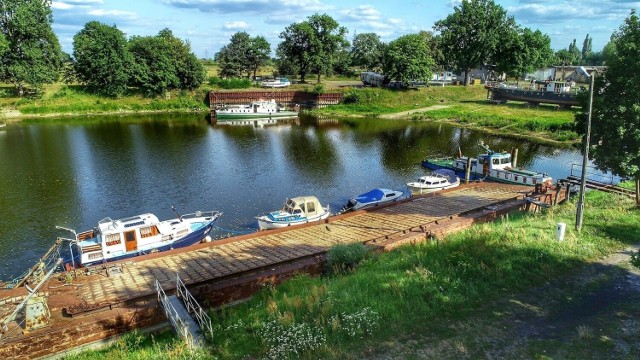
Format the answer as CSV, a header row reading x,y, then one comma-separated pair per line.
x,y
209,24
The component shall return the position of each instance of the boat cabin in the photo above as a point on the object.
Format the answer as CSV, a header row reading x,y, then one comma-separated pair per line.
x,y
484,163
556,87
304,206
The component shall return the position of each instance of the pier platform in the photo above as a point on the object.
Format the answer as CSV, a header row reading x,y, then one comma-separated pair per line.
x,y
102,302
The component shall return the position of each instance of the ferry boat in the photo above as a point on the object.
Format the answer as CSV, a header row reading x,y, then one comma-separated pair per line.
x,y
260,109
372,198
297,211
439,179
494,166
137,235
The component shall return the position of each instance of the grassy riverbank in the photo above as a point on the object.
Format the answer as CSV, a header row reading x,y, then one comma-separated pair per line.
x,y
419,295
466,106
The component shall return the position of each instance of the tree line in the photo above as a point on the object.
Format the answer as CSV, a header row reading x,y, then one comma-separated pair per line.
x,y
103,58
478,32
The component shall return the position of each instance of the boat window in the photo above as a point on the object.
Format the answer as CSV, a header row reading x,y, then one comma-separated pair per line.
x,y
297,211
496,161
95,255
302,206
505,161
130,236
390,195
311,207
148,231
112,239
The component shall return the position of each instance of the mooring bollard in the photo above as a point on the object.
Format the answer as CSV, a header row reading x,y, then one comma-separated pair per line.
x,y
560,229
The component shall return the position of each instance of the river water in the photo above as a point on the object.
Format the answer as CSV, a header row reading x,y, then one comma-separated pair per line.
x,y
75,171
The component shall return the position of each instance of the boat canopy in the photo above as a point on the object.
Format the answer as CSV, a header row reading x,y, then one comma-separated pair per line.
x,y
371,196
448,173
308,205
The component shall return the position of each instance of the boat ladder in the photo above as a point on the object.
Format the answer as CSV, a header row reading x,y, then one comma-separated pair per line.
x,y
178,312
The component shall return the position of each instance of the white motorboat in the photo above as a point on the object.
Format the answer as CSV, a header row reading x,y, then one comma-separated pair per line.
x,y
119,239
372,198
297,211
437,180
276,83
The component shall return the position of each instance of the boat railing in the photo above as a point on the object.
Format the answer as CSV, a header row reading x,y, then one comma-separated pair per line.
x,y
174,317
204,321
199,214
592,174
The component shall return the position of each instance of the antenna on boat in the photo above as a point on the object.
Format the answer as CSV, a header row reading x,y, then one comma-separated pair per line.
x,y
174,210
481,143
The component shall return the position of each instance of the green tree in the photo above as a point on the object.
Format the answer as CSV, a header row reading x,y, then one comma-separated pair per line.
x,y
32,53
329,40
473,33
366,51
615,132
258,54
188,69
154,71
587,47
407,59
524,51
576,56
232,58
103,60
312,45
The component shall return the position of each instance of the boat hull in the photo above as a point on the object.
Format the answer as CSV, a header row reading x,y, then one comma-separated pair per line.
x,y
221,115
520,177
415,189
264,223
499,94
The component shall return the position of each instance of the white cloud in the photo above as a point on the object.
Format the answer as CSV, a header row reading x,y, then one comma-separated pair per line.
x,y
113,13
362,12
250,6
235,25
61,5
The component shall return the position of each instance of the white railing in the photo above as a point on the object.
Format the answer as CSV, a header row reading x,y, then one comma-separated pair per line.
x,y
181,328
193,307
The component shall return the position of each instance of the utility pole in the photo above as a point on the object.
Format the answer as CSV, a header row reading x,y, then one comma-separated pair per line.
x,y
585,156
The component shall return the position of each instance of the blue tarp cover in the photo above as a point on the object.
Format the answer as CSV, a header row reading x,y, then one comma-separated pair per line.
x,y
373,195
449,174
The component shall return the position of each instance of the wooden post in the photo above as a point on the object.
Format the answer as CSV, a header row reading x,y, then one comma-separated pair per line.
x,y
467,173
514,157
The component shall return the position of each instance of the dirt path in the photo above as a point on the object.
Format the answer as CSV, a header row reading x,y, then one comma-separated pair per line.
x,y
411,112
593,313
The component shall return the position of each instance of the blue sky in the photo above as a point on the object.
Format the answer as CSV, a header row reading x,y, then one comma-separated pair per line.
x,y
208,24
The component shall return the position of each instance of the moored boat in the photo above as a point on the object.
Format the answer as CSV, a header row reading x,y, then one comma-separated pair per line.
x,y
547,92
297,211
494,166
260,109
276,83
439,179
137,235
372,198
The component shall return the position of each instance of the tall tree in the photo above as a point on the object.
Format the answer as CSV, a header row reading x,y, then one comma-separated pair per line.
x,y
587,47
313,45
366,51
473,33
189,70
33,55
232,58
575,53
103,60
615,118
258,54
154,70
524,51
407,59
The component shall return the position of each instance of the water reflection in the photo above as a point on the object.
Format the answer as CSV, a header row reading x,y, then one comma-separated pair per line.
x,y
73,172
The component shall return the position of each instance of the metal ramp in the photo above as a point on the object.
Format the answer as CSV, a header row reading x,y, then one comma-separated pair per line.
x,y
595,180
179,309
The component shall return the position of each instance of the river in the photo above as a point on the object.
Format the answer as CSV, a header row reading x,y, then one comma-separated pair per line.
x,y
73,172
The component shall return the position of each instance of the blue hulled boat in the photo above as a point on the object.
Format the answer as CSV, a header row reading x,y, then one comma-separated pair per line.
x,y
371,198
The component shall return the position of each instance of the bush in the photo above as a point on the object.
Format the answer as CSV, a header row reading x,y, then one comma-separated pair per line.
x,y
345,258
232,83
635,259
351,97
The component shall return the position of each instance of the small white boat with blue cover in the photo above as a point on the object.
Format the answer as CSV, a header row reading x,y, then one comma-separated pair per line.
x,y
372,198
297,211
120,239
437,180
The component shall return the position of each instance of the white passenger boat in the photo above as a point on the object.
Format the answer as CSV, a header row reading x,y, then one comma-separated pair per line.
x,y
297,211
119,239
260,109
372,198
437,180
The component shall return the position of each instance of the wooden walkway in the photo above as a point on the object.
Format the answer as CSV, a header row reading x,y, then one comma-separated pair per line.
x,y
267,248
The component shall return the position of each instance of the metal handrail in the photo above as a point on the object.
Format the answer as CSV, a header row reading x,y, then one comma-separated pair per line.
x,y
576,170
193,307
173,316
